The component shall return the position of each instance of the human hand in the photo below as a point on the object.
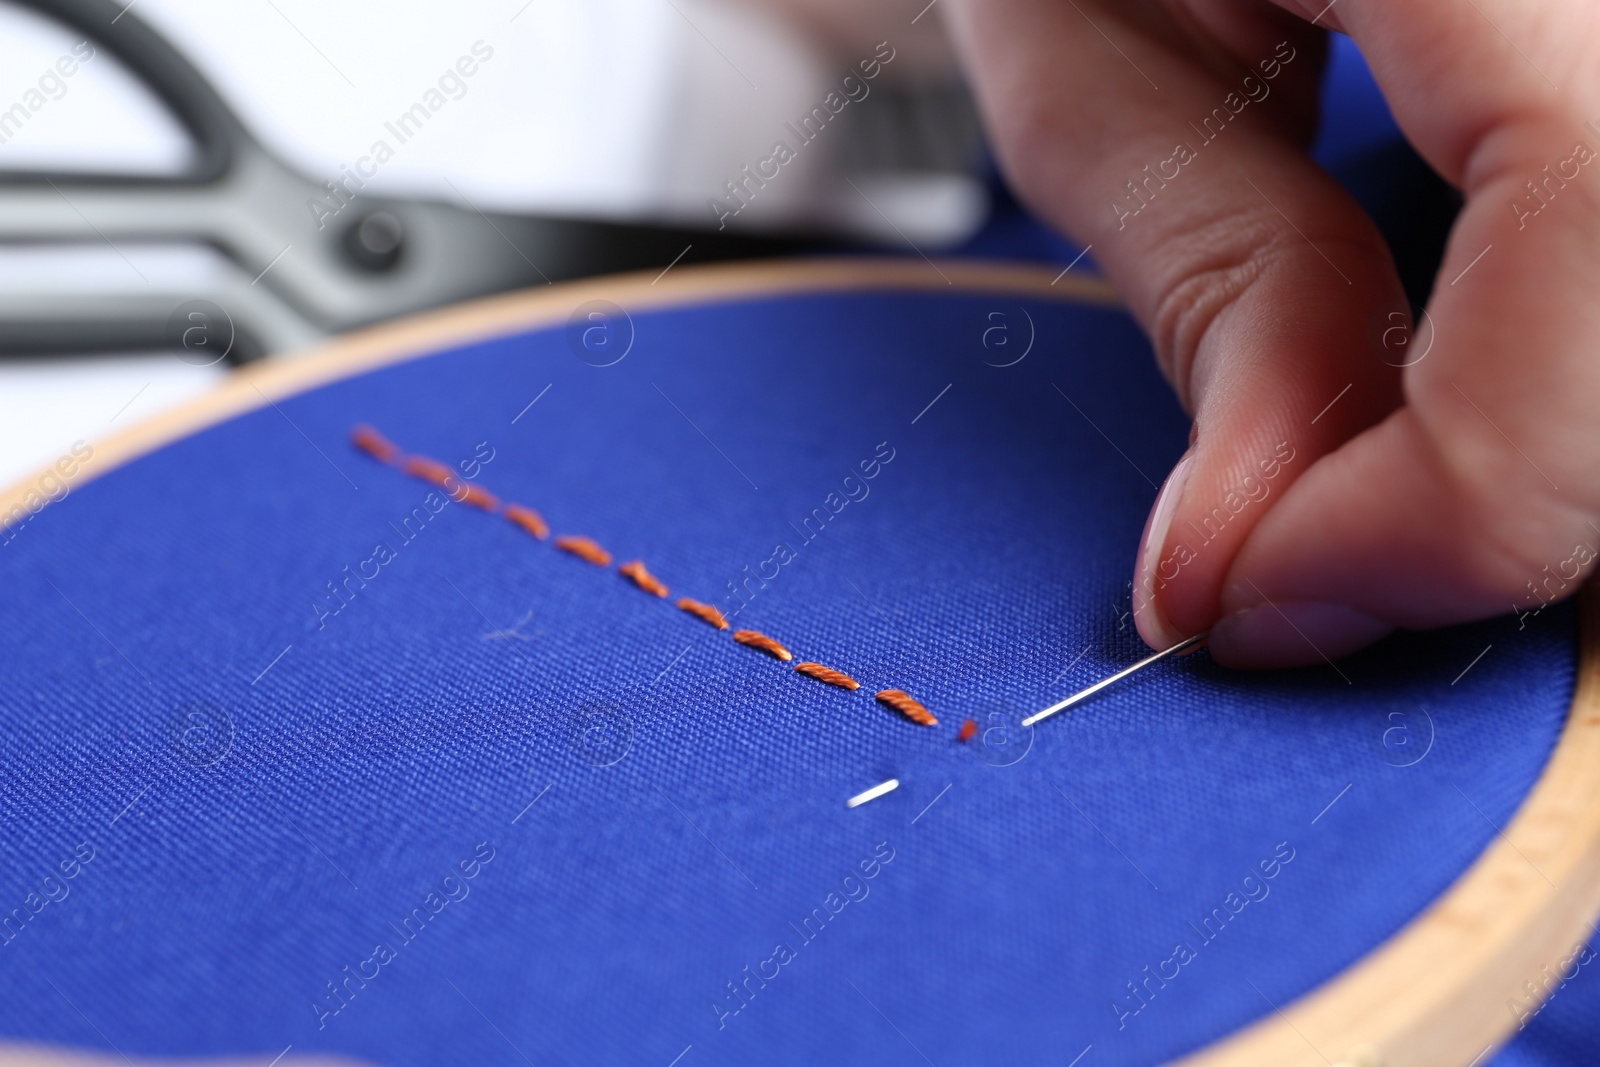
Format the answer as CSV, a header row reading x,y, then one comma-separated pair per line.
x,y
1329,496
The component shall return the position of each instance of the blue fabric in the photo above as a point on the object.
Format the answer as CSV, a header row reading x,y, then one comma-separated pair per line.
x,y
254,830
1355,119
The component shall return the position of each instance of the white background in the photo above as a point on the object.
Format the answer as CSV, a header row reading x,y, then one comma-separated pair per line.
x,y
618,108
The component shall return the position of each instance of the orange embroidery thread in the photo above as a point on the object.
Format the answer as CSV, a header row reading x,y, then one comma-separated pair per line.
x,y
905,704
528,519
482,498
969,730
430,470
382,449
762,642
584,549
827,674
374,443
704,612
635,572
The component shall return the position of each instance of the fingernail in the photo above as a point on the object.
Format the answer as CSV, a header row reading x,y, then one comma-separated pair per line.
x,y
1153,624
1290,633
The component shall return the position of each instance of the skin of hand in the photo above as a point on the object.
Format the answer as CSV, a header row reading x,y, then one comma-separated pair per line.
x,y
1329,495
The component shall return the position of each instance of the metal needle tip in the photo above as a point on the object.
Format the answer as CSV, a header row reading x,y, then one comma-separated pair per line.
x,y
1084,694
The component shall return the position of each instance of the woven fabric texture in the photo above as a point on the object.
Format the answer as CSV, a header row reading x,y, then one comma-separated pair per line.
x,y
313,828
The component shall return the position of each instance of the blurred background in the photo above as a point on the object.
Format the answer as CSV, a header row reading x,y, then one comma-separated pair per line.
x,y
202,184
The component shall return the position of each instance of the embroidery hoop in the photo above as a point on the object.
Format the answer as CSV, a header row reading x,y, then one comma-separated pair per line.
x,y
1434,993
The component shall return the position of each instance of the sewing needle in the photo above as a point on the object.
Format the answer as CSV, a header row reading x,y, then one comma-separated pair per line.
x,y
1084,694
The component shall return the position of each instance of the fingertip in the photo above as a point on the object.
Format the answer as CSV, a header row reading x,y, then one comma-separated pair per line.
x,y
1292,633
1148,614
1155,628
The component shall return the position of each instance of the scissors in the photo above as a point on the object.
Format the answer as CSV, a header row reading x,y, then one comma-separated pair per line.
x,y
388,257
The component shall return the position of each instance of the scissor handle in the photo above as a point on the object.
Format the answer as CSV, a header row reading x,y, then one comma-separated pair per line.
x,y
291,276
217,133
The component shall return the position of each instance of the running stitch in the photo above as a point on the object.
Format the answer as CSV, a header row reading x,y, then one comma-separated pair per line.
x,y
380,448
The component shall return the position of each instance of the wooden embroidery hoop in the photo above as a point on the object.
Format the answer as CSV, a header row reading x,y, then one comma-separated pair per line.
x,y
1436,994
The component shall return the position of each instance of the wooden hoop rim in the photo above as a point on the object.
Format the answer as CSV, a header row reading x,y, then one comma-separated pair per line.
x,y
1436,994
